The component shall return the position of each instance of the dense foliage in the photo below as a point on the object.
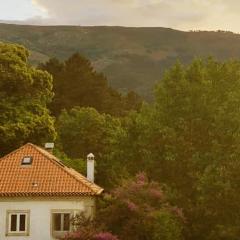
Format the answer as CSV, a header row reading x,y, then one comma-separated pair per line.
x,y
24,95
136,210
188,139
139,209
88,229
198,111
90,236
76,83
84,130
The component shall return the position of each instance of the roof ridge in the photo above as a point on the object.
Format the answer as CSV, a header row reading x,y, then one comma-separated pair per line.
x,y
85,181
16,150
58,163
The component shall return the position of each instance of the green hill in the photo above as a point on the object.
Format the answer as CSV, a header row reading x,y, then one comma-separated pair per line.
x,y
131,58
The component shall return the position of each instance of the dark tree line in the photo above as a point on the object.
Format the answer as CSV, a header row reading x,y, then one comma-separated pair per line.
x,y
76,83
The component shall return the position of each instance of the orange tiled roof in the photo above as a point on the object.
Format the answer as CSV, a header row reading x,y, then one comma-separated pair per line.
x,y
46,176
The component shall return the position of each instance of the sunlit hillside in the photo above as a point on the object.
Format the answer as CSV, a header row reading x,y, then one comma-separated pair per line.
x,y
131,58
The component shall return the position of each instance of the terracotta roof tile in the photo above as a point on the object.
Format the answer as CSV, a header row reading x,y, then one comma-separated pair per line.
x,y
46,176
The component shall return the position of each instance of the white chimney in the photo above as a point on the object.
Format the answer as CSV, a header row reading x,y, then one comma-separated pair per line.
x,y
49,147
90,167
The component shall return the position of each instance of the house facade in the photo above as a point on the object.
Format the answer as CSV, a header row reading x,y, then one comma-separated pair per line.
x,y
39,195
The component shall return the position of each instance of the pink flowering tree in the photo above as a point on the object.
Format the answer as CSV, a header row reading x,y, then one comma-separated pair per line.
x,y
87,229
136,210
139,210
81,235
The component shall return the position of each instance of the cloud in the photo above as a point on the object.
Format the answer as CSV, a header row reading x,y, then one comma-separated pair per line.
x,y
181,14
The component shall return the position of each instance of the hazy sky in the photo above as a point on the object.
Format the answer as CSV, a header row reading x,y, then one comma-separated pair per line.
x,y
180,14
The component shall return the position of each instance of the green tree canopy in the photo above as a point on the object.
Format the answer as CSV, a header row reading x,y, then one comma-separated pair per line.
x,y
138,210
76,83
84,130
24,94
189,139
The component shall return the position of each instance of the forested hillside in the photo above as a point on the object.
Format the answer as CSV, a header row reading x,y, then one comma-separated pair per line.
x,y
170,168
131,58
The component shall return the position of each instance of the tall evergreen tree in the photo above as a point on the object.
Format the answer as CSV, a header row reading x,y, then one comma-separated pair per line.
x,y
76,83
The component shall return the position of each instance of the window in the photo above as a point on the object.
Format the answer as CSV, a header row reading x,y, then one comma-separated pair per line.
x,y
27,160
61,222
18,223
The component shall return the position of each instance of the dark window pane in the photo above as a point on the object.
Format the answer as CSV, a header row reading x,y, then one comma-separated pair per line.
x,y
13,223
22,225
57,221
66,225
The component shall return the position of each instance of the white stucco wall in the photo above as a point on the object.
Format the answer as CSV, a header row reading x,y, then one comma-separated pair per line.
x,y
40,214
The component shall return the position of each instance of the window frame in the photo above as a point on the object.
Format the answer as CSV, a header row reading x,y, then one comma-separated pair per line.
x,y
62,212
27,223
27,163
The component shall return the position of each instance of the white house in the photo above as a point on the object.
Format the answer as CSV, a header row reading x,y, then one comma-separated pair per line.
x,y
39,195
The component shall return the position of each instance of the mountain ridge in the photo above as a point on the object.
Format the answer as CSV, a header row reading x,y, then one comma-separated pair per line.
x,y
132,58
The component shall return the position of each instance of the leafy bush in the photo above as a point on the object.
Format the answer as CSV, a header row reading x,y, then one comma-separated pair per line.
x,y
139,210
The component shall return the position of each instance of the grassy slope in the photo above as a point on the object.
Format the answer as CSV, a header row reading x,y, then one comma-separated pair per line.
x,y
131,58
